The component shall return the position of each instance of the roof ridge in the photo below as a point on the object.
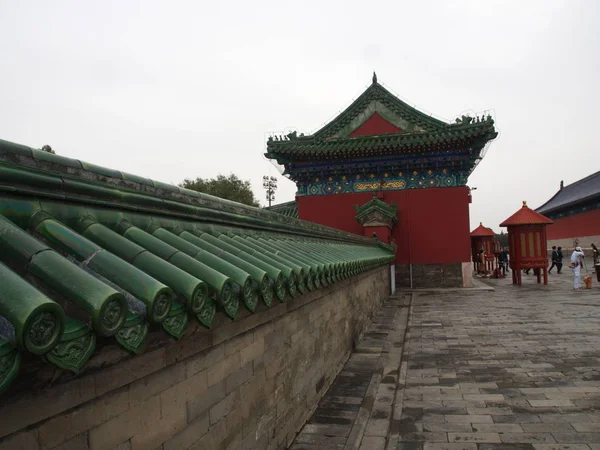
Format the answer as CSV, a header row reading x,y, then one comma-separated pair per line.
x,y
374,89
589,177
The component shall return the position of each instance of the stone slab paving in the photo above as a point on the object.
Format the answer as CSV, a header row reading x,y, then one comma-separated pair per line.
x,y
517,368
356,411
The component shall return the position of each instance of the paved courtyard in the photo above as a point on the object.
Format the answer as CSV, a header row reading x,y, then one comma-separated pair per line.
x,y
515,368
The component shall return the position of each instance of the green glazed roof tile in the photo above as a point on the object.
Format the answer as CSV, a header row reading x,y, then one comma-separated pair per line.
x,y
177,320
137,179
165,186
375,204
419,132
10,362
288,209
10,148
75,348
126,251
101,170
132,336
57,159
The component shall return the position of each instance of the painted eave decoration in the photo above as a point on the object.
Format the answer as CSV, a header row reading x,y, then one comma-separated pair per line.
x,y
90,254
526,216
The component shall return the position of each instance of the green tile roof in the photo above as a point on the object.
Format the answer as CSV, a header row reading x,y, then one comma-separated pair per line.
x,y
421,132
395,143
388,210
289,209
88,252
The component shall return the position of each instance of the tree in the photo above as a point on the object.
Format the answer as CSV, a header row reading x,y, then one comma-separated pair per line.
x,y
48,149
229,187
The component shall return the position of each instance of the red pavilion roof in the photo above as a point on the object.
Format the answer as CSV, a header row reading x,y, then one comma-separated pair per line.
x,y
481,231
526,216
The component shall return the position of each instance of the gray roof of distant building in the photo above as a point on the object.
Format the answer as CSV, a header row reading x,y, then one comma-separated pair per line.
x,y
584,189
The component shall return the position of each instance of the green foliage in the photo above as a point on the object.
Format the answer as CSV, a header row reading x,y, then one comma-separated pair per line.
x,y
229,187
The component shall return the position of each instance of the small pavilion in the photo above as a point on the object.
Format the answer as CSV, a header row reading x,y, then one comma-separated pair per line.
x,y
377,218
527,243
482,238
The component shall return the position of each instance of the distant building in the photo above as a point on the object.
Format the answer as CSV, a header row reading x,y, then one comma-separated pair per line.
x,y
575,210
382,150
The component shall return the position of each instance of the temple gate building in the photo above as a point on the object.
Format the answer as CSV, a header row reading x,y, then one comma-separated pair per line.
x,y
420,164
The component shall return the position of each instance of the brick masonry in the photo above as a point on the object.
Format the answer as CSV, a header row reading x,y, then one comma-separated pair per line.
x,y
430,275
249,383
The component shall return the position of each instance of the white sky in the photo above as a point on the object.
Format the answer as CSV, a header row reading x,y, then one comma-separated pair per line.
x,y
173,90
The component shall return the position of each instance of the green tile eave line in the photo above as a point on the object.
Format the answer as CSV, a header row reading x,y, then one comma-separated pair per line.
x,y
248,289
106,306
266,282
221,284
303,271
292,281
156,296
486,131
311,270
280,279
315,269
193,291
325,266
38,320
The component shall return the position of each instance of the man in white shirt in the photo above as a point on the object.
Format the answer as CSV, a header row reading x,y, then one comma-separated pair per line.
x,y
576,262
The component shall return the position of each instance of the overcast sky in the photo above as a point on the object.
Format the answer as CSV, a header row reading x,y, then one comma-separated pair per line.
x,y
174,90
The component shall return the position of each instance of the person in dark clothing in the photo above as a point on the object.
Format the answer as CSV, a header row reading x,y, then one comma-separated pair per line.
x,y
554,259
504,261
559,259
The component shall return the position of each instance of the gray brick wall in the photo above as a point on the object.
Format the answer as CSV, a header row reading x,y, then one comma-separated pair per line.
x,y
429,275
250,383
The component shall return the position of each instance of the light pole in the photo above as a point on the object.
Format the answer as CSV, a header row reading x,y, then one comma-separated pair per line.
x,y
270,185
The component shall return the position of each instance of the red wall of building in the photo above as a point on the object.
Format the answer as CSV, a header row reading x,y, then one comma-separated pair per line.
x,y
383,233
579,225
433,224
375,125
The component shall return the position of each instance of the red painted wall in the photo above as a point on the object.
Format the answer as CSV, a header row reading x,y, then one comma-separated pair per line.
x,y
375,125
579,225
383,233
433,224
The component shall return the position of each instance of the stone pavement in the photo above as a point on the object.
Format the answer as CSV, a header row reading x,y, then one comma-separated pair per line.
x,y
356,411
516,368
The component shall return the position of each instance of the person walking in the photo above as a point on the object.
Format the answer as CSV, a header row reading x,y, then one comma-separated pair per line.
x,y
576,263
559,259
554,259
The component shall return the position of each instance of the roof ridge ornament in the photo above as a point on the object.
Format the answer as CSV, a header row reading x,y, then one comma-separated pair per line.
x,y
374,78
524,203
